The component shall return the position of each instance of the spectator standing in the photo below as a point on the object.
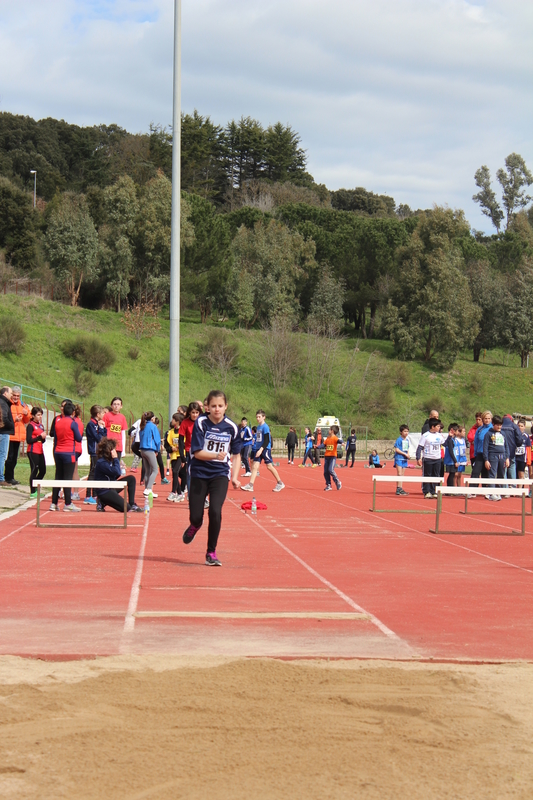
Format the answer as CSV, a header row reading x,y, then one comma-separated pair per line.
x,y
351,447
291,443
245,433
21,414
513,437
432,415
472,433
95,432
35,437
116,425
66,434
7,427
430,445
150,441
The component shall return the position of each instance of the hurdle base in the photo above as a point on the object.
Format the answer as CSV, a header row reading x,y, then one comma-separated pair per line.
x,y
477,533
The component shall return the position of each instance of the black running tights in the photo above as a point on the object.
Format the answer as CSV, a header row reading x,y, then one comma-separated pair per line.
x,y
217,489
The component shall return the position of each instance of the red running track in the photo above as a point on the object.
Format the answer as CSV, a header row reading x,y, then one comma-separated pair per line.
x,y
317,574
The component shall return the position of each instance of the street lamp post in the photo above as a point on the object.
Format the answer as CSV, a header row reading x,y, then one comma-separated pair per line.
x,y
34,173
174,348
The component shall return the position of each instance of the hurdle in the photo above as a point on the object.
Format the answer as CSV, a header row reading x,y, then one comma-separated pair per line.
x,y
50,484
459,491
397,479
498,482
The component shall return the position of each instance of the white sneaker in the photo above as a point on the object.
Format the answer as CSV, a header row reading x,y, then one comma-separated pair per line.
x,y
53,507
71,508
179,498
171,497
471,496
148,492
247,488
278,487
247,475
496,497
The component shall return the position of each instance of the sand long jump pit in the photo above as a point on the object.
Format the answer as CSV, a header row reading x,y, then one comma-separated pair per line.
x,y
165,727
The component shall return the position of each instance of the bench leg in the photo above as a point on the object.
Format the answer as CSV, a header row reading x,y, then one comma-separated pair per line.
x,y
38,505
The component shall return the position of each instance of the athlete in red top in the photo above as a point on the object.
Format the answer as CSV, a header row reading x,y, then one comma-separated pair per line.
x,y
116,425
185,435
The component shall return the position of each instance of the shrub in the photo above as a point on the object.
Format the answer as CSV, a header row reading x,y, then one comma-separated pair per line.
x,y
84,381
134,353
141,320
89,351
433,402
12,335
163,364
401,375
286,408
219,354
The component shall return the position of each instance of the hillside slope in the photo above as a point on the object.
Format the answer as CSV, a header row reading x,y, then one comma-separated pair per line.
x,y
368,387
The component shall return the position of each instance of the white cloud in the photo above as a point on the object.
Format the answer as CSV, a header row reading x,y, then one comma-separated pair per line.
x,y
406,97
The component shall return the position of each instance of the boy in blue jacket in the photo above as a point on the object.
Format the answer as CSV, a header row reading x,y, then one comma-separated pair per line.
x,y
495,453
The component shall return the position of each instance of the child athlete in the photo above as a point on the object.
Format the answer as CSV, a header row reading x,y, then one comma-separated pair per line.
x,y
35,436
262,452
215,439
330,459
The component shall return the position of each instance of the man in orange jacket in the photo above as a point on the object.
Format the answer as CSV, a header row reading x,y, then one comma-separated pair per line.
x,y
21,414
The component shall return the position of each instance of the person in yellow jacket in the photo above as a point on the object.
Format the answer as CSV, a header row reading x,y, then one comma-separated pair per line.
x,y
21,414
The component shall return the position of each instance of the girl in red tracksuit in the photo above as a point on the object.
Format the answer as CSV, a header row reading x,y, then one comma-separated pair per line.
x,y
35,436
66,434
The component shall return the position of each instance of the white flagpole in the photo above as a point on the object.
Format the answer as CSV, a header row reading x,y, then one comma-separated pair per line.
x,y
174,356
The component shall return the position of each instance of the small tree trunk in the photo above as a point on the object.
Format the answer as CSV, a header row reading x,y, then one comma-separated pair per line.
x,y
523,358
477,352
427,355
363,323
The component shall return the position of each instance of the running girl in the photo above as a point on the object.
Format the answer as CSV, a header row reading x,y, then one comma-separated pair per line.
x,y
35,436
214,439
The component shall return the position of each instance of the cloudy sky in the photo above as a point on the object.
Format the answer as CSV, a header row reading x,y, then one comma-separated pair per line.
x,y
406,97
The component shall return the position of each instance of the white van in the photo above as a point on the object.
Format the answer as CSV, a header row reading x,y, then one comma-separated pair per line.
x,y
325,423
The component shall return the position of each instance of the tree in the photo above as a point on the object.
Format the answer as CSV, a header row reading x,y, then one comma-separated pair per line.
x,y
485,289
517,330
487,198
206,256
512,179
17,231
71,243
430,306
364,202
270,259
323,326
202,149
116,237
284,158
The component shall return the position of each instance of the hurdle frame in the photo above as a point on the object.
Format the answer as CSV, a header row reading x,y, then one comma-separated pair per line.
x,y
522,482
53,484
400,479
457,491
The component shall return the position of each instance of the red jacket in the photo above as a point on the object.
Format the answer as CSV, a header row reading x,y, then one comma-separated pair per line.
x,y
470,436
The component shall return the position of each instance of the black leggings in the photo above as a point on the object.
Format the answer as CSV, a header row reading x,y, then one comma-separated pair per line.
x,y
113,499
217,489
290,448
176,474
64,471
478,469
348,454
159,458
38,468
91,492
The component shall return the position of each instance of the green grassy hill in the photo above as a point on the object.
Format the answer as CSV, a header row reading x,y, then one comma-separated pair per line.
x,y
367,386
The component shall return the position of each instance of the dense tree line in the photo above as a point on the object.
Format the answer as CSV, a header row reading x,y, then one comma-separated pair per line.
x,y
260,239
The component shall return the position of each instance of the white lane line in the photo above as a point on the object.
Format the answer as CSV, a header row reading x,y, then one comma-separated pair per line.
x,y
380,625
32,521
434,537
129,621
230,589
255,615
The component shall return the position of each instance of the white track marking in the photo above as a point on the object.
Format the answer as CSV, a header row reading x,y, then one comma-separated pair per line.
x,y
129,621
32,521
382,627
229,589
437,538
255,615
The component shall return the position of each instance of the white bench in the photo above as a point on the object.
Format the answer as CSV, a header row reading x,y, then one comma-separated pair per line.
x,y
463,491
49,484
400,479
